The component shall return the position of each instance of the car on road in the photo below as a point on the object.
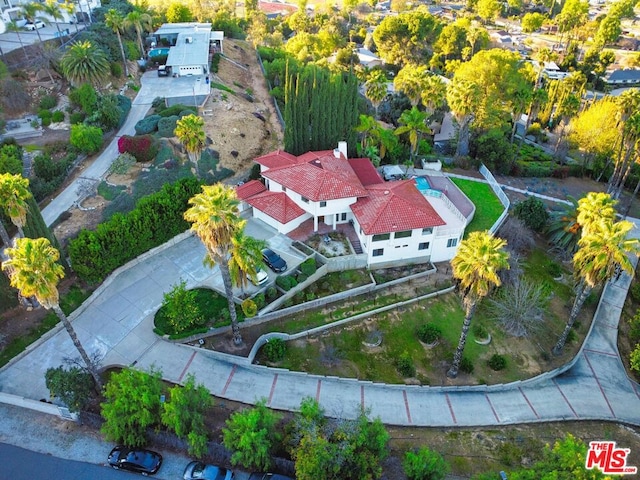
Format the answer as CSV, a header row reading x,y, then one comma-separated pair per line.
x,y
268,476
201,471
34,25
137,460
261,277
275,261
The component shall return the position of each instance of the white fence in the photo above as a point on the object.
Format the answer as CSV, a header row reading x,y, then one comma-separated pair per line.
x,y
497,189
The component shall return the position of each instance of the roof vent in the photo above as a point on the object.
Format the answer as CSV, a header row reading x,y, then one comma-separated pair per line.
x,y
336,153
189,40
386,192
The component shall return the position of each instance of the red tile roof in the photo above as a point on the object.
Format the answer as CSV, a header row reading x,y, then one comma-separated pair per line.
x,y
278,158
250,188
365,171
277,205
394,207
321,177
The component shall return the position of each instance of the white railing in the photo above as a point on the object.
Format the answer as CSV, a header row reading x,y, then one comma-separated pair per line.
x,y
448,203
497,189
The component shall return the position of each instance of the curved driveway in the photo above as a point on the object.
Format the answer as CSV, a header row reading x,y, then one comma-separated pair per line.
x,y
116,322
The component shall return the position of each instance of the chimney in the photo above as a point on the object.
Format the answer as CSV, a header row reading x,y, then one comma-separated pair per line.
x,y
336,153
342,147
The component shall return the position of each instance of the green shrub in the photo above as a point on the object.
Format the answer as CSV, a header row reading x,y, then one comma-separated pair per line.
x,y
85,97
124,104
405,365
634,359
634,328
76,117
466,365
497,362
167,126
429,333
57,116
635,290
308,267
249,308
272,292
286,282
532,212
275,349
176,110
181,309
44,114
131,50
48,102
158,103
85,138
215,61
147,125
301,277
259,301
554,269
425,464
479,331
116,69
45,122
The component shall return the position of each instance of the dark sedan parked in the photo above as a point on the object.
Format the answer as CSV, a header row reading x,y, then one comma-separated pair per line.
x,y
136,460
275,261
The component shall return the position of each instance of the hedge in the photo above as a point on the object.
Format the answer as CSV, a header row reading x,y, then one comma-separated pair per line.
x,y
143,147
155,220
124,104
147,125
167,126
176,110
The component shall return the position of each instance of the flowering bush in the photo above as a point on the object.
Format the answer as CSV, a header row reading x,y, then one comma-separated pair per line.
x,y
143,147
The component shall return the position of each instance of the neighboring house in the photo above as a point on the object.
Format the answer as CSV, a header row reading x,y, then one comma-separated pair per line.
x,y
444,134
190,46
11,11
368,58
396,222
624,77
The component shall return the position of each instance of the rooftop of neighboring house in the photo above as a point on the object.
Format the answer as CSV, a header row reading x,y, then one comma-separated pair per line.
x,y
624,75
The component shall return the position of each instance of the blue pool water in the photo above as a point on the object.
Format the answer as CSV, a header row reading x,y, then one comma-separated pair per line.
x,y
422,184
158,51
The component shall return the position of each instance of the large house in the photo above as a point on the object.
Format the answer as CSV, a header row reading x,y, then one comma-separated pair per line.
x,y
396,222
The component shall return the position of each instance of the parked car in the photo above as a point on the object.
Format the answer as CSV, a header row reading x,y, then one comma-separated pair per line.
x,y
164,71
262,277
200,471
268,476
34,25
137,460
275,261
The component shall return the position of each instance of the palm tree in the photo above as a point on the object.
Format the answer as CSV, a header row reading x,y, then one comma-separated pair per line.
x,y
14,194
367,126
190,132
34,272
592,208
476,266
412,122
85,63
139,21
246,258
433,94
375,88
215,219
116,22
563,229
462,97
603,254
410,81
30,13
13,27
52,8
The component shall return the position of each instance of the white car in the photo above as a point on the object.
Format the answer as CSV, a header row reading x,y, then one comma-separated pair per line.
x,y
34,25
261,277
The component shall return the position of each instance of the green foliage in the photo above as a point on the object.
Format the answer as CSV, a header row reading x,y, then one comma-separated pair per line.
x,y
185,414
532,212
85,97
44,115
156,219
634,328
49,174
124,104
48,102
425,464
308,267
176,110
405,365
634,359
116,69
494,150
275,349
85,138
75,386
132,404
131,50
466,365
122,163
181,309
167,126
249,308
251,436
10,158
215,62
497,362
147,125
76,117
286,282
57,116
107,114
429,333
479,331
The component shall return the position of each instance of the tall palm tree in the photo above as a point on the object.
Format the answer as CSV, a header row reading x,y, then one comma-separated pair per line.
x,y
215,218
140,22
476,266
190,132
410,80
246,258
14,194
375,88
412,123
367,127
30,12
604,252
563,229
53,9
13,27
85,63
433,94
592,208
116,22
34,272
462,97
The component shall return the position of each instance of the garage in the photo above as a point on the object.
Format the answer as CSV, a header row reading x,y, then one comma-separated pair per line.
x,y
190,70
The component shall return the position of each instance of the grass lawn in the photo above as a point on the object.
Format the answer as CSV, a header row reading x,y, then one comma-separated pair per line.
x,y
488,207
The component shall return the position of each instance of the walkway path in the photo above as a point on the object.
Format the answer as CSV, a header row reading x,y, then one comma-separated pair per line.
x,y
117,323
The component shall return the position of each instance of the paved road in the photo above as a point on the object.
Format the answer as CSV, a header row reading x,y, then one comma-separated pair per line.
x,y
117,323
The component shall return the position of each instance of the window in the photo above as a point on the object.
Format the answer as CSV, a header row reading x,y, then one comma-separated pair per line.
x,y
284,189
452,242
405,234
304,199
323,204
382,236
378,252
343,217
427,231
423,246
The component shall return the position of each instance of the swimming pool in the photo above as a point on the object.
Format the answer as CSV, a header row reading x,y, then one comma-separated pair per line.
x,y
156,52
422,184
